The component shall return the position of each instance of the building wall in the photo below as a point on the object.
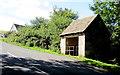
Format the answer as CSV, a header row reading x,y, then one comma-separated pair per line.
x,y
13,29
74,40
63,45
97,40
81,44
3,35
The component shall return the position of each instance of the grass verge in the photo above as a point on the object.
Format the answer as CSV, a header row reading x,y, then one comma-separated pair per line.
x,y
2,38
3,31
114,69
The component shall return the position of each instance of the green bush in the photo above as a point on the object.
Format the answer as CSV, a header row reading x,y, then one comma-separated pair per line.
x,y
30,44
45,33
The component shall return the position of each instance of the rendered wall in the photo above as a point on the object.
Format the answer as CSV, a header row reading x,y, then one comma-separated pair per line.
x,y
13,29
81,44
63,45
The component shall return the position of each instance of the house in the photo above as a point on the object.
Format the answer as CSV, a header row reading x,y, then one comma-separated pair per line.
x,y
15,27
86,37
3,35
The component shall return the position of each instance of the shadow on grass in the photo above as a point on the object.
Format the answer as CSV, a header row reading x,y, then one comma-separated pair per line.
x,y
25,66
113,70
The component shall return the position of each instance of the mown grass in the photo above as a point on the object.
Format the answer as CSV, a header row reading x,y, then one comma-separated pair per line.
x,y
3,31
2,38
113,69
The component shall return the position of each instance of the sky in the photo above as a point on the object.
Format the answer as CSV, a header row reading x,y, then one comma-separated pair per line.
x,y
22,11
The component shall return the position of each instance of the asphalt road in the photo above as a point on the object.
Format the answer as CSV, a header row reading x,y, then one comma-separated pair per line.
x,y
20,61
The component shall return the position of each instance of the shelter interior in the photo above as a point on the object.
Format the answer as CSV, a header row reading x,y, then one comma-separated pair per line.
x,y
72,46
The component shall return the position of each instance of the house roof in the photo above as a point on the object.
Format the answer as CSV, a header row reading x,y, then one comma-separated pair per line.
x,y
18,26
79,25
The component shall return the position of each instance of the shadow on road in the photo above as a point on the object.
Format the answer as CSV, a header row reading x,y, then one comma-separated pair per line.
x,y
25,66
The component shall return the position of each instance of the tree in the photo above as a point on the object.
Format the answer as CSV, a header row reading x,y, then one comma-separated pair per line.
x,y
60,19
38,21
68,13
45,33
109,12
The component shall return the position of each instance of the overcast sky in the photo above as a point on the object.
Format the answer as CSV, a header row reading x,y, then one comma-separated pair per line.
x,y
22,11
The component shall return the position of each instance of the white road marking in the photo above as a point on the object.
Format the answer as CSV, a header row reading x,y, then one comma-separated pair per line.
x,y
39,70
11,54
28,67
